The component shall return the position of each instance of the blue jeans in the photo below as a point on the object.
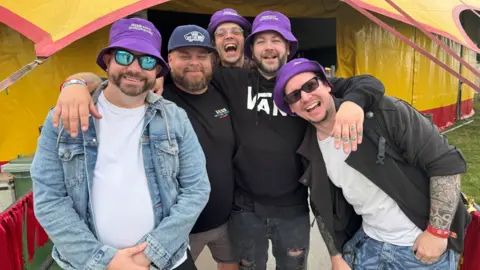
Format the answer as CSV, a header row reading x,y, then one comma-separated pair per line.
x,y
365,253
250,234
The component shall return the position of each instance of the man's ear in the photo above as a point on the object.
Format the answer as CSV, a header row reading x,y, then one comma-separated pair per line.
x,y
106,59
170,58
288,49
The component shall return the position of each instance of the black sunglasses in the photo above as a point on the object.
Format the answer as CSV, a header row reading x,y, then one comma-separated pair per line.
x,y
125,58
308,87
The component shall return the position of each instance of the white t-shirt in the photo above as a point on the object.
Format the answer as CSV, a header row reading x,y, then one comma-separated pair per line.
x,y
383,220
121,200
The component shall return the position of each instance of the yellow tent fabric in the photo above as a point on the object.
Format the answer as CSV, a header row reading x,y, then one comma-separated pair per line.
x,y
25,104
440,17
39,20
363,47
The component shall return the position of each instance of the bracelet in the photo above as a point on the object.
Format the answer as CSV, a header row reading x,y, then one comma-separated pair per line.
x,y
440,233
68,82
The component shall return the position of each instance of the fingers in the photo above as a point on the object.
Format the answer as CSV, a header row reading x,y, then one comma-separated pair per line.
x,y
136,249
359,132
94,111
65,121
83,114
346,138
57,111
353,137
337,134
73,119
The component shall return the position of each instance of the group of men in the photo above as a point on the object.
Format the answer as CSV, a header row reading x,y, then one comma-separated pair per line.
x,y
227,155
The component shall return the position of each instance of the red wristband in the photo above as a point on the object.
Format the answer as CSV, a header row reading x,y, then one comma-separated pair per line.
x,y
440,233
73,81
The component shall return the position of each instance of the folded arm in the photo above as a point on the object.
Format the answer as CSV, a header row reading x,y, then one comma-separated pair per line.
x,y
172,232
54,208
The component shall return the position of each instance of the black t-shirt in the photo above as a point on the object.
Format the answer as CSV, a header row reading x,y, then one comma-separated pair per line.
x,y
210,118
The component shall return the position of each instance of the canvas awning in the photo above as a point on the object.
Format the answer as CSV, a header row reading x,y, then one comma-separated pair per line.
x,y
440,17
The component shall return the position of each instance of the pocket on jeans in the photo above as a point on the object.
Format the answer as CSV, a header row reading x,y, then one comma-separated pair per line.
x,y
442,260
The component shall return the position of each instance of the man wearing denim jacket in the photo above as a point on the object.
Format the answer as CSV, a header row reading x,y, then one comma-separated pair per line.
x,y
125,193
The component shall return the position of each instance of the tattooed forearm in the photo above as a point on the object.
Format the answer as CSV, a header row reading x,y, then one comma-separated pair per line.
x,y
327,237
444,196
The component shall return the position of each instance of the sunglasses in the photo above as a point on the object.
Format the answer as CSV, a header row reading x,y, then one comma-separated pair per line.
x,y
125,58
308,87
235,31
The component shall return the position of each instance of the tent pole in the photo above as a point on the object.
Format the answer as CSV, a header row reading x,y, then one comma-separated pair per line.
x,y
434,38
412,44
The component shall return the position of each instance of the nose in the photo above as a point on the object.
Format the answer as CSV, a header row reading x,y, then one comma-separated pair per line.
x,y
305,96
135,66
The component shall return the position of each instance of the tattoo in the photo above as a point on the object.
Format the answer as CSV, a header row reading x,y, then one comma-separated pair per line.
x,y
444,196
327,237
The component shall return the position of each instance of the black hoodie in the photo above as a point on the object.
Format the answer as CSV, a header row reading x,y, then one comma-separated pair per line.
x,y
266,165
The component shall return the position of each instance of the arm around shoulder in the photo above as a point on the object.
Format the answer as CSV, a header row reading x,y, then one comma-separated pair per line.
x,y
364,90
92,80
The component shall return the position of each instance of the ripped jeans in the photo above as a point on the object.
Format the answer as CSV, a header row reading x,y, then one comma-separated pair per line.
x,y
250,234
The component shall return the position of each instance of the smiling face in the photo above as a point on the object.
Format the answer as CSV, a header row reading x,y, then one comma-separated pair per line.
x,y
230,43
316,106
191,69
131,79
270,52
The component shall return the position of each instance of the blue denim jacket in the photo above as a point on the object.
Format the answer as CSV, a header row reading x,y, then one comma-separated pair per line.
x,y
175,166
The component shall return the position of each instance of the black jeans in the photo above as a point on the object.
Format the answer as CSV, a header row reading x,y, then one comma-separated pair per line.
x,y
250,234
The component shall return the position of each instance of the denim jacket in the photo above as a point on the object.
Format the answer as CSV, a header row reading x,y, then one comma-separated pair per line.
x,y
175,166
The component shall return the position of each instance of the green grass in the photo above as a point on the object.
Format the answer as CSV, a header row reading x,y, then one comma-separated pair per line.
x,y
466,138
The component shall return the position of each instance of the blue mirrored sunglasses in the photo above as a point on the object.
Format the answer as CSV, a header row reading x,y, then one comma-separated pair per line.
x,y
125,58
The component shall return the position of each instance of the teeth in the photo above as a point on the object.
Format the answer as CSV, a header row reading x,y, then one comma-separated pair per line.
x,y
230,46
132,79
312,106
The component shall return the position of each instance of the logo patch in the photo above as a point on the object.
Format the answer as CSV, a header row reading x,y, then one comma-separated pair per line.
x,y
221,113
269,17
194,36
139,27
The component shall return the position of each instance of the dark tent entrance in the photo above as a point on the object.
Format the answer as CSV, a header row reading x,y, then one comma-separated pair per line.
x,y
316,36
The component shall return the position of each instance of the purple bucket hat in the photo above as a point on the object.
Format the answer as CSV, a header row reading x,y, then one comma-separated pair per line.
x,y
136,35
227,15
272,21
287,71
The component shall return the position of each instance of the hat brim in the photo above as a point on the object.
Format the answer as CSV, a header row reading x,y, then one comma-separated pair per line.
x,y
134,44
270,27
244,23
282,80
206,47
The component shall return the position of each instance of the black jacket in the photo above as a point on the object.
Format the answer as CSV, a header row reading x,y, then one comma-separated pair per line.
x,y
425,153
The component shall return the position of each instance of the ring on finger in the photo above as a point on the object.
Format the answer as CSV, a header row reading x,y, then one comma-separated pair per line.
x,y
336,137
359,134
353,127
353,138
346,140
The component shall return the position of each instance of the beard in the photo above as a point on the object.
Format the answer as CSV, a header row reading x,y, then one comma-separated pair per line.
x,y
271,69
132,90
191,85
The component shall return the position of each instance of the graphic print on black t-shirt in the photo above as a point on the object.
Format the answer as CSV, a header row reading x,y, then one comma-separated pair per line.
x,y
210,118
